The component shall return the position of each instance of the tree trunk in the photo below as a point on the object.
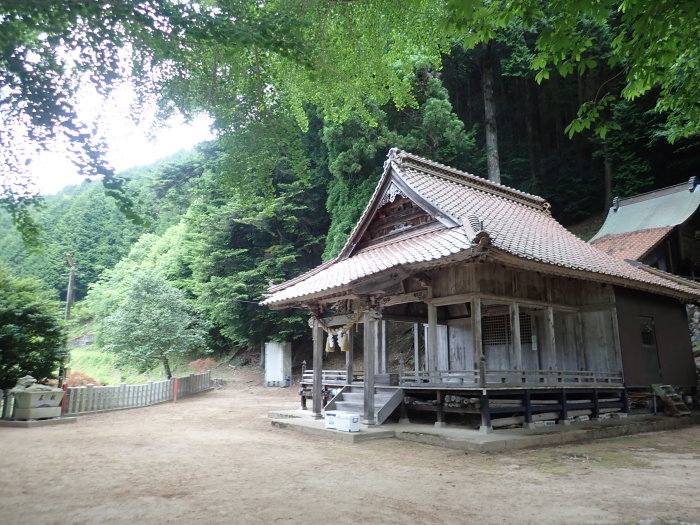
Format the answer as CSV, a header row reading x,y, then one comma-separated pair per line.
x,y
492,161
530,134
608,177
166,365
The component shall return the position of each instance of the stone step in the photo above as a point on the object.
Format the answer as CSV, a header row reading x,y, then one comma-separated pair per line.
x,y
360,396
346,406
355,397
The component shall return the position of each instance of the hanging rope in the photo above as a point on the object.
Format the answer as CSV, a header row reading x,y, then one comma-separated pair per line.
x,y
342,333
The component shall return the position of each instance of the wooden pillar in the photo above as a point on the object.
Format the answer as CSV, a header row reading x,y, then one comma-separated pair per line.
x,y
580,347
370,352
516,345
317,387
440,406
416,348
527,402
476,339
349,356
564,414
595,412
380,366
616,340
485,426
551,340
431,346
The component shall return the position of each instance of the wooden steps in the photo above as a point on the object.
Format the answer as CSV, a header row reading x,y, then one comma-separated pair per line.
x,y
672,401
351,399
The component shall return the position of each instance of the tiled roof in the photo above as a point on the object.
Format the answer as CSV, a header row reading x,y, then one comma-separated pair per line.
x,y
657,209
518,224
409,252
631,245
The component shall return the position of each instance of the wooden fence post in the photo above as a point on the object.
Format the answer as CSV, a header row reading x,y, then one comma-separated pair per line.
x,y
176,382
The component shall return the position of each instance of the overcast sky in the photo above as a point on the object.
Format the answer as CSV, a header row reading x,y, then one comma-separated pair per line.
x,y
129,145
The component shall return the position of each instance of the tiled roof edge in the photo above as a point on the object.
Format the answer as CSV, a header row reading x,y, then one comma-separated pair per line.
x,y
665,275
611,236
467,179
286,284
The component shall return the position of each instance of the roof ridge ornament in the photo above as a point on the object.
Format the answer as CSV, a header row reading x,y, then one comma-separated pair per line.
x,y
395,155
479,238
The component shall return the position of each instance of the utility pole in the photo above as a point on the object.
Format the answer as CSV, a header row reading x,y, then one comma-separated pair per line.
x,y
69,304
71,285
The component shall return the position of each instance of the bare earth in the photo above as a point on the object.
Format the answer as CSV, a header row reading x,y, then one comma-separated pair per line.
x,y
214,458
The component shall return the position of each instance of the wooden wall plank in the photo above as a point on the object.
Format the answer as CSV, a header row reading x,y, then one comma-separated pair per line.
x,y
461,345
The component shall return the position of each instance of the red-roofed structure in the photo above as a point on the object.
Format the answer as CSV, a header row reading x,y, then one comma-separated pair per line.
x,y
632,245
659,228
510,303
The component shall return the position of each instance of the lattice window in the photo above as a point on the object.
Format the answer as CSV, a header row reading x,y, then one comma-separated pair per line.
x,y
525,329
495,330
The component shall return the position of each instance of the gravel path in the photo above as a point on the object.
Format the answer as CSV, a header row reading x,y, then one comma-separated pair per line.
x,y
214,458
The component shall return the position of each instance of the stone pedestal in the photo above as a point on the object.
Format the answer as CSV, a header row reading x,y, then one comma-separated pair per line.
x,y
38,405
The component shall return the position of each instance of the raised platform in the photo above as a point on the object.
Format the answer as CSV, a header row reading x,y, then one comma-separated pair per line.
x,y
462,438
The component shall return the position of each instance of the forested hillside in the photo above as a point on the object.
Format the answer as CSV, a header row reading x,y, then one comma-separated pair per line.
x,y
306,116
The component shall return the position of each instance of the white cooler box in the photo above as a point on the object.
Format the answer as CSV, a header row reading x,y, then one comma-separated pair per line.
x,y
347,422
330,419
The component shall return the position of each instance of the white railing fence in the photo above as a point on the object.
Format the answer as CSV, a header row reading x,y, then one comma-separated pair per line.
x,y
86,399
193,384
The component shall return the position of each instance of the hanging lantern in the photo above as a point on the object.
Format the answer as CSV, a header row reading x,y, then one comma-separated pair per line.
x,y
345,341
330,345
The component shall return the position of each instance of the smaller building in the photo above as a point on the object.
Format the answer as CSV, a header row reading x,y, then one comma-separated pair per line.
x,y
660,229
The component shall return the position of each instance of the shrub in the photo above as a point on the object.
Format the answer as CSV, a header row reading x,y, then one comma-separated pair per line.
x,y
202,365
80,379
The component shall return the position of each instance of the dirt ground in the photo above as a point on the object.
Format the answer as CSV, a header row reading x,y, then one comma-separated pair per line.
x,y
214,458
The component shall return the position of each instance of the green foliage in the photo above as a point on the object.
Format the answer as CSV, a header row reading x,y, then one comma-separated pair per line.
x,y
628,149
103,366
31,335
653,46
307,106
161,255
237,247
154,322
356,149
81,221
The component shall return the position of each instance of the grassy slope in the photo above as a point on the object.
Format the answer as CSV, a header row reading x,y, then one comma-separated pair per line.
x,y
100,366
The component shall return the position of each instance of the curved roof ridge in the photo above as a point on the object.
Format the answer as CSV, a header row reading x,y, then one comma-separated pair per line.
x,y
400,157
688,186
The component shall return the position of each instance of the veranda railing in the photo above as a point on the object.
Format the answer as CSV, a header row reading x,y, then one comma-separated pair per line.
x,y
515,378
331,377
